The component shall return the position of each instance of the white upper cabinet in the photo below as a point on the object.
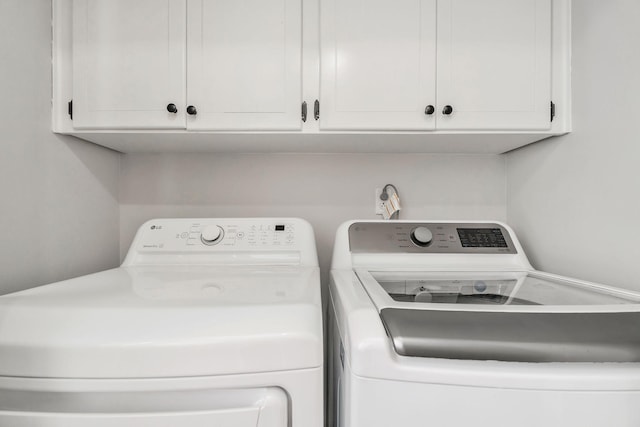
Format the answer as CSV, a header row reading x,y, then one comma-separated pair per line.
x,y
494,64
444,65
472,76
378,64
128,63
244,64
194,64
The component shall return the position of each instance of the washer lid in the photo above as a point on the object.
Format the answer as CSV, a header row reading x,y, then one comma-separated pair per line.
x,y
164,321
525,316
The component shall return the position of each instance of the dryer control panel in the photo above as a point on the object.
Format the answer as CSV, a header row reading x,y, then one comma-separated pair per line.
x,y
231,240
218,234
430,237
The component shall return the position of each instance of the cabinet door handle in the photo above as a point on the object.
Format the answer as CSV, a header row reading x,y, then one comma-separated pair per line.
x,y
172,108
316,110
447,110
191,110
304,111
429,110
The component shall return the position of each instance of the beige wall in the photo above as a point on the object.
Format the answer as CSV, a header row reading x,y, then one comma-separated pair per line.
x,y
325,189
58,196
575,200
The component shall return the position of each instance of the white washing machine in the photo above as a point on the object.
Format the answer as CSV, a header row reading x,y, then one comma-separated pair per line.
x,y
447,324
208,322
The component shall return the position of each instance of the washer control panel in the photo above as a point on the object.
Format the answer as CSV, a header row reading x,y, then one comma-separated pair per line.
x,y
217,235
406,237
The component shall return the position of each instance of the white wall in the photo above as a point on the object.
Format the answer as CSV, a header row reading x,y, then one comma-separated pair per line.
x,y
58,196
325,189
575,200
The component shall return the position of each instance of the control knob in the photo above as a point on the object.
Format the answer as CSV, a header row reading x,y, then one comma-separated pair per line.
x,y
211,235
421,236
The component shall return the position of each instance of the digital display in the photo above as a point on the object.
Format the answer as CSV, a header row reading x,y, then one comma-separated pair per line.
x,y
279,227
481,238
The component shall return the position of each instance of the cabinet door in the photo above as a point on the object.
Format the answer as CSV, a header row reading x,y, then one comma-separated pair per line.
x,y
244,64
377,64
128,63
494,64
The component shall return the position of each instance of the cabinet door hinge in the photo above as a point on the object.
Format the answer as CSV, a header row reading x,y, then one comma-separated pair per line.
x,y
70,109
553,110
316,110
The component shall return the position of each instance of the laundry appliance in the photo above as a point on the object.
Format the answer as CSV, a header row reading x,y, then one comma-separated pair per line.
x,y
208,322
444,323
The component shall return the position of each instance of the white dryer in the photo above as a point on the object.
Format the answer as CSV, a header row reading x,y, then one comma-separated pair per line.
x,y
208,322
447,324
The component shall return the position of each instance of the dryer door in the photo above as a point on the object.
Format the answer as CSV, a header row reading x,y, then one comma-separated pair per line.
x,y
263,407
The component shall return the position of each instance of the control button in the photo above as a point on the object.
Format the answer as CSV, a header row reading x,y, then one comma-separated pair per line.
x,y
211,235
421,236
